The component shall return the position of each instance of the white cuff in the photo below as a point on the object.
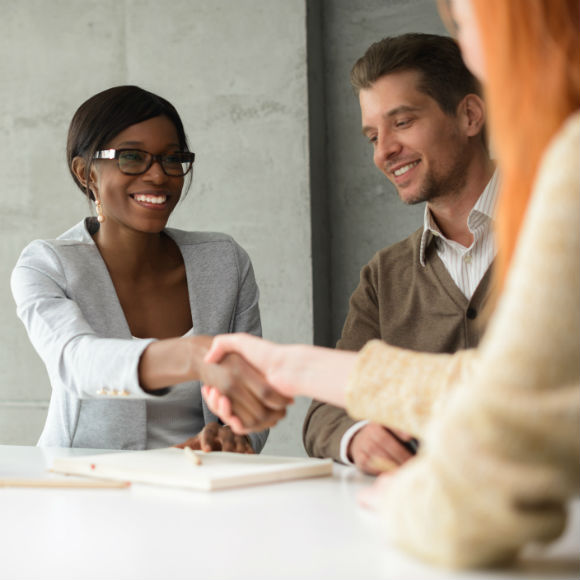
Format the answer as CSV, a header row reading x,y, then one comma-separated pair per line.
x,y
344,442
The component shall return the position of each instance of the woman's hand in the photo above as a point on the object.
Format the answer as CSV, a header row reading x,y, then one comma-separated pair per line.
x,y
270,359
221,406
247,402
176,360
371,497
216,437
292,370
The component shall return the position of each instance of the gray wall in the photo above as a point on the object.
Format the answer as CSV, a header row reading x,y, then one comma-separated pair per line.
x,y
263,90
365,213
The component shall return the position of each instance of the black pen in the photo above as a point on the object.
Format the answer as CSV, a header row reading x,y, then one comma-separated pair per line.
x,y
412,445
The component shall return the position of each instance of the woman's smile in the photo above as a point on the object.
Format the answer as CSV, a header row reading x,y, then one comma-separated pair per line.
x,y
155,201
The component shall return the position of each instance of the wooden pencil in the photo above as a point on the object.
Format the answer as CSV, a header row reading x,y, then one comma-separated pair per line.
x,y
191,456
64,483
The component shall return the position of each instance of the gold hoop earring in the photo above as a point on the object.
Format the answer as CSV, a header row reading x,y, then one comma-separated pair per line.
x,y
99,207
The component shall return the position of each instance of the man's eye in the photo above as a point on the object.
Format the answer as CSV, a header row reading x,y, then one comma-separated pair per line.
x,y
373,139
402,123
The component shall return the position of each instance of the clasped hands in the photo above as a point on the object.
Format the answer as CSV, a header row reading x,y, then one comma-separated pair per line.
x,y
249,382
235,390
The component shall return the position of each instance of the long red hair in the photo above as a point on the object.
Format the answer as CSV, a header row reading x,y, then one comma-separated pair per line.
x,y
531,51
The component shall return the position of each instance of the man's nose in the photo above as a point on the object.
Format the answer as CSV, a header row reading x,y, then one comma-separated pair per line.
x,y
386,148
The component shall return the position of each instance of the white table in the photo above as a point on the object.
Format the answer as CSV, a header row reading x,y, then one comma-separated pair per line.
x,y
303,529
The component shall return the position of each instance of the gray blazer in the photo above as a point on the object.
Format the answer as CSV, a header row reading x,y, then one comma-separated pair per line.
x,y
68,304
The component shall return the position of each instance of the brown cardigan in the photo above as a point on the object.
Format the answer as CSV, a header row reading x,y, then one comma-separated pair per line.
x,y
407,305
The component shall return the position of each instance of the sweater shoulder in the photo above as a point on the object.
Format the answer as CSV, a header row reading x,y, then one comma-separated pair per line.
x,y
399,255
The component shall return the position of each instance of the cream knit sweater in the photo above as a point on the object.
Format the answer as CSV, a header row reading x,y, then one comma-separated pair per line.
x,y
500,424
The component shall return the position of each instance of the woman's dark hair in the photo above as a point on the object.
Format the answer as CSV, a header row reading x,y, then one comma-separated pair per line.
x,y
106,114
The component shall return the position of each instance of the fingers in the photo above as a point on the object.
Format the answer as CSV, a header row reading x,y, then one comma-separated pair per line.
x,y
220,405
403,435
407,441
208,437
244,372
243,444
227,439
216,437
234,443
245,423
251,404
279,366
374,463
377,464
192,442
259,353
375,449
217,403
241,343
372,496
395,448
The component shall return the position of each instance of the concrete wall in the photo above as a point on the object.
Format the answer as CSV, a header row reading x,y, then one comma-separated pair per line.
x,y
365,213
263,90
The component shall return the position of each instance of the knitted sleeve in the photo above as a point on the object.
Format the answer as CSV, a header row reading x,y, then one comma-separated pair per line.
x,y
402,388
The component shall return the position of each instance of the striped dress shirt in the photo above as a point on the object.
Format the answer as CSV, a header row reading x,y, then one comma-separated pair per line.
x,y
466,266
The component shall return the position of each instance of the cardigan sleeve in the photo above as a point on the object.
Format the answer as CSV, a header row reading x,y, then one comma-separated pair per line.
x,y
402,388
501,455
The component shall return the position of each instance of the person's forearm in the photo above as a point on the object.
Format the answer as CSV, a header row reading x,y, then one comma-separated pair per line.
x,y
320,373
292,370
174,360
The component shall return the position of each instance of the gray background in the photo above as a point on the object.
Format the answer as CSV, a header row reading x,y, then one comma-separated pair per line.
x,y
263,90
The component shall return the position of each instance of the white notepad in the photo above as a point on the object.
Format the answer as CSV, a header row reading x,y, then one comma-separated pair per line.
x,y
174,467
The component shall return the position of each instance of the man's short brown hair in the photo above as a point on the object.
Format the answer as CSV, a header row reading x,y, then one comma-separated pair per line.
x,y
444,76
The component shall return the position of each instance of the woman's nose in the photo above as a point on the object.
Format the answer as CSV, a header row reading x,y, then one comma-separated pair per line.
x,y
155,173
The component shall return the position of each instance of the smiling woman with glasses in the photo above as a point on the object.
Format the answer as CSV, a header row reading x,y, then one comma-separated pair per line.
x,y
119,307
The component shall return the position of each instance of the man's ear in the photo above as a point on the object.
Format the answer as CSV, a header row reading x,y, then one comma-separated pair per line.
x,y
472,112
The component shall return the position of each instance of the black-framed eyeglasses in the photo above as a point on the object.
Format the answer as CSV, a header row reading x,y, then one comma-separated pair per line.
x,y
136,162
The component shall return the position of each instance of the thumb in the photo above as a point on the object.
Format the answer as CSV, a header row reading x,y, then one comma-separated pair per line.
x,y
220,346
216,376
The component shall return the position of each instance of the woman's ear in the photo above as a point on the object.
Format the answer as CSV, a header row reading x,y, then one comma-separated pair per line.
x,y
472,109
79,168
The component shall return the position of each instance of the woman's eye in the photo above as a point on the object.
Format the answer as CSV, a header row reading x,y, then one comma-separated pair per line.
x,y
132,156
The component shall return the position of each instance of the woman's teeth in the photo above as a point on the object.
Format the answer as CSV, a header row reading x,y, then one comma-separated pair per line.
x,y
158,199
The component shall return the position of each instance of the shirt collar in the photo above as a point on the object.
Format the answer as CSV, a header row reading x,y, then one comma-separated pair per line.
x,y
484,209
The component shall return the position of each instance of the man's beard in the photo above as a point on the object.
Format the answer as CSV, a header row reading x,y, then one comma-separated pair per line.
x,y
434,186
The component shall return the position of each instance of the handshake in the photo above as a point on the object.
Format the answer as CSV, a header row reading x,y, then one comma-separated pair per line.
x,y
248,382
236,386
